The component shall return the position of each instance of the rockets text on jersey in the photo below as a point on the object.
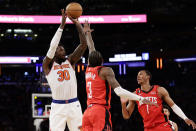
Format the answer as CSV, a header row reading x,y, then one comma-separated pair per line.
x,y
151,114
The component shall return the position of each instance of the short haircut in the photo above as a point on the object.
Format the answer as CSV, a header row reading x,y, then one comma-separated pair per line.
x,y
148,73
60,44
167,107
95,59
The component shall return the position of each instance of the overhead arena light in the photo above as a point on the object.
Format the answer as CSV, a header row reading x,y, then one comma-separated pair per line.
x,y
29,31
8,30
129,57
136,64
18,60
23,31
185,59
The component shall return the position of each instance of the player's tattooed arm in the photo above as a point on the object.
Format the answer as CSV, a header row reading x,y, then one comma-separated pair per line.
x,y
87,31
77,54
109,75
79,51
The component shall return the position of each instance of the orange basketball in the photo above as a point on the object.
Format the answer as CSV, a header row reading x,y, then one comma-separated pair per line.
x,y
74,10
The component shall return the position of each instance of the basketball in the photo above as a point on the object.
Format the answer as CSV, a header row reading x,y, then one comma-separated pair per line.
x,y
74,10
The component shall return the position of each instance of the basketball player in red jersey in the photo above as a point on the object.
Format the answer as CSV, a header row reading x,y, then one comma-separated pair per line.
x,y
166,111
153,117
99,81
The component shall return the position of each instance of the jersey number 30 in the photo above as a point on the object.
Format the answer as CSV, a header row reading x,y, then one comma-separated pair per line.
x,y
63,75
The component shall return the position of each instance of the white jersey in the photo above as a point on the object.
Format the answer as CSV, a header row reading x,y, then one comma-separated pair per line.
x,y
62,81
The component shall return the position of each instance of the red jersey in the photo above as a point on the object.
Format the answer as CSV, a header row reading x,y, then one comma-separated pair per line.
x,y
98,90
152,115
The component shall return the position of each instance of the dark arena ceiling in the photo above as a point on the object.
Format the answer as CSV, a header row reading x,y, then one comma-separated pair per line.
x,y
170,30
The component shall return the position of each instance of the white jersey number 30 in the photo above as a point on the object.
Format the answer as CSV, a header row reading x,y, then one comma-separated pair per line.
x,y
63,75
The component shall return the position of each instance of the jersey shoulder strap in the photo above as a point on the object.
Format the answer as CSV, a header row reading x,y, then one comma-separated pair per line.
x,y
155,87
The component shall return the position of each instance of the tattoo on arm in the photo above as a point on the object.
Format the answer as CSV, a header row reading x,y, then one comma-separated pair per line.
x,y
81,34
110,77
79,51
77,54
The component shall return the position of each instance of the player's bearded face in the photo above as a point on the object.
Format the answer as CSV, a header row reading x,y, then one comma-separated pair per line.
x,y
60,53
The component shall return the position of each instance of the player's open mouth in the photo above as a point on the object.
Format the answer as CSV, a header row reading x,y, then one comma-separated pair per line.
x,y
139,79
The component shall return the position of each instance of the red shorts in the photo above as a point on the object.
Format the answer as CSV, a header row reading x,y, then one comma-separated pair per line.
x,y
161,127
97,118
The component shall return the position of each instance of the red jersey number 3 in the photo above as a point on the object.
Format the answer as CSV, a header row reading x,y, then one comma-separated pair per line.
x,y
89,85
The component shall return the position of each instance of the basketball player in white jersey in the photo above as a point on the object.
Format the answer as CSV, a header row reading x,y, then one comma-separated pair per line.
x,y
60,74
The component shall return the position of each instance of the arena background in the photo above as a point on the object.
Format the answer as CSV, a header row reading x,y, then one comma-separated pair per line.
x,y
168,34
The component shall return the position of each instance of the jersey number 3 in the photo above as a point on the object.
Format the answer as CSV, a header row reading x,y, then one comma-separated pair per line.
x,y
63,75
90,89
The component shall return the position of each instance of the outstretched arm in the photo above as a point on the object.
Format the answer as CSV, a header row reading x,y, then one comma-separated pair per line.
x,y
165,96
110,77
87,31
79,51
54,44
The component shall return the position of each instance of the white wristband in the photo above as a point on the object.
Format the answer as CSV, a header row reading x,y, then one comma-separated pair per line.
x,y
126,94
54,43
179,112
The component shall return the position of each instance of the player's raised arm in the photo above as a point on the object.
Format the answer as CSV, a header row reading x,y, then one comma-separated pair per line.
x,y
110,77
54,44
87,31
165,96
79,51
